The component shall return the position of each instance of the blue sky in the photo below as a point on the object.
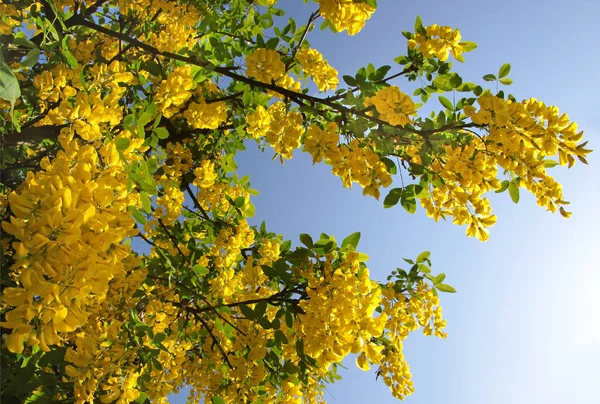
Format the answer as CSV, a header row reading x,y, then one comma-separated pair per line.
x,y
524,325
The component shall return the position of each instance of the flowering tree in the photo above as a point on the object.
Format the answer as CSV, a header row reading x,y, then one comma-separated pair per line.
x,y
121,121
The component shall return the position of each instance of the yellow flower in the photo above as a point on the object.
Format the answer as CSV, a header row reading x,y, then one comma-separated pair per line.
x,y
265,65
393,105
345,14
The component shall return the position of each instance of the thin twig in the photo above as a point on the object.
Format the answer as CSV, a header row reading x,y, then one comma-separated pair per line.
x,y
215,341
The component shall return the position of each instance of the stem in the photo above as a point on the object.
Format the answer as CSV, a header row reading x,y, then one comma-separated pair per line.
x,y
293,95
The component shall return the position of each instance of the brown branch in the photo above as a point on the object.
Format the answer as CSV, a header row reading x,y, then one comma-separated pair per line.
x,y
215,340
225,98
33,135
235,36
226,72
195,200
141,235
313,17
214,309
293,95
173,240
412,68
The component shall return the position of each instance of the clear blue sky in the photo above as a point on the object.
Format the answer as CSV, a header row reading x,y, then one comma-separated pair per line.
x,y
524,326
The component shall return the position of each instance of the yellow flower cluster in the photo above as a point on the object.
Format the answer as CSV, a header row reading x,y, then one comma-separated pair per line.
x,y
50,85
84,50
345,14
176,25
182,160
405,314
281,128
339,313
285,130
286,81
265,65
362,165
169,204
171,94
97,352
351,162
321,143
393,105
99,360
89,113
257,123
205,175
173,23
214,198
225,252
325,76
206,114
522,135
468,173
438,42
10,18
70,220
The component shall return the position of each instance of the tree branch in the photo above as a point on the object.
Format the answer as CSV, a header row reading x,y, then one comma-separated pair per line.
x,y
34,134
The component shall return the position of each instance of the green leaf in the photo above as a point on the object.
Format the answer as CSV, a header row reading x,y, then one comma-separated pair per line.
x,y
489,77
289,319
506,81
38,397
421,192
160,337
439,279
424,268
362,257
31,58
200,270
455,80
466,87
67,53
550,163
504,70
468,46
503,186
443,83
289,367
9,85
423,256
141,398
402,60
513,191
260,309
239,202
446,103
272,43
407,200
122,143
419,26
306,240
391,166
24,42
300,347
445,288
392,198
162,133
217,400
137,215
247,311
349,80
352,240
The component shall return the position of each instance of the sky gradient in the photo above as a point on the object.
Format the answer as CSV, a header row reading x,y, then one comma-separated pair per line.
x,y
524,326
